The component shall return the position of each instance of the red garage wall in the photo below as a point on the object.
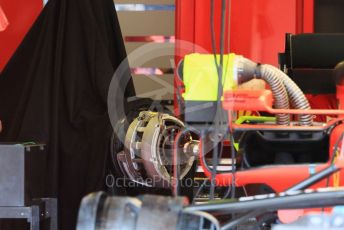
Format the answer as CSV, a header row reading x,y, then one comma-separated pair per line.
x,y
257,27
21,14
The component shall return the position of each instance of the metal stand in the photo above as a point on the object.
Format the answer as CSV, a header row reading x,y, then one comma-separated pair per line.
x,y
41,209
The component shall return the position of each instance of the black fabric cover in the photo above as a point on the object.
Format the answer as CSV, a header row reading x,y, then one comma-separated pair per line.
x,y
54,90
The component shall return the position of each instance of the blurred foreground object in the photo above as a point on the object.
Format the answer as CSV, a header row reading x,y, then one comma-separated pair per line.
x,y
3,20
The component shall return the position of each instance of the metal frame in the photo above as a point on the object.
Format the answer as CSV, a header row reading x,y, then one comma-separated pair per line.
x,y
41,209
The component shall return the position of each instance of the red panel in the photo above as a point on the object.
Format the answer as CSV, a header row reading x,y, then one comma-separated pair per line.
x,y
184,31
264,29
299,15
305,16
202,25
242,23
185,21
21,15
257,29
308,15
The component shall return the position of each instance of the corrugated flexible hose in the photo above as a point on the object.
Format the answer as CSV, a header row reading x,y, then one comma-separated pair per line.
x,y
279,92
297,98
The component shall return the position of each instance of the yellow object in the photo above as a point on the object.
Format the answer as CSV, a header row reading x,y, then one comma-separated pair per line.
x,y
200,76
336,176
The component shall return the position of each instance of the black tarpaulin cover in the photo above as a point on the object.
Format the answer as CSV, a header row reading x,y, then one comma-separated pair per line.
x,y
54,91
